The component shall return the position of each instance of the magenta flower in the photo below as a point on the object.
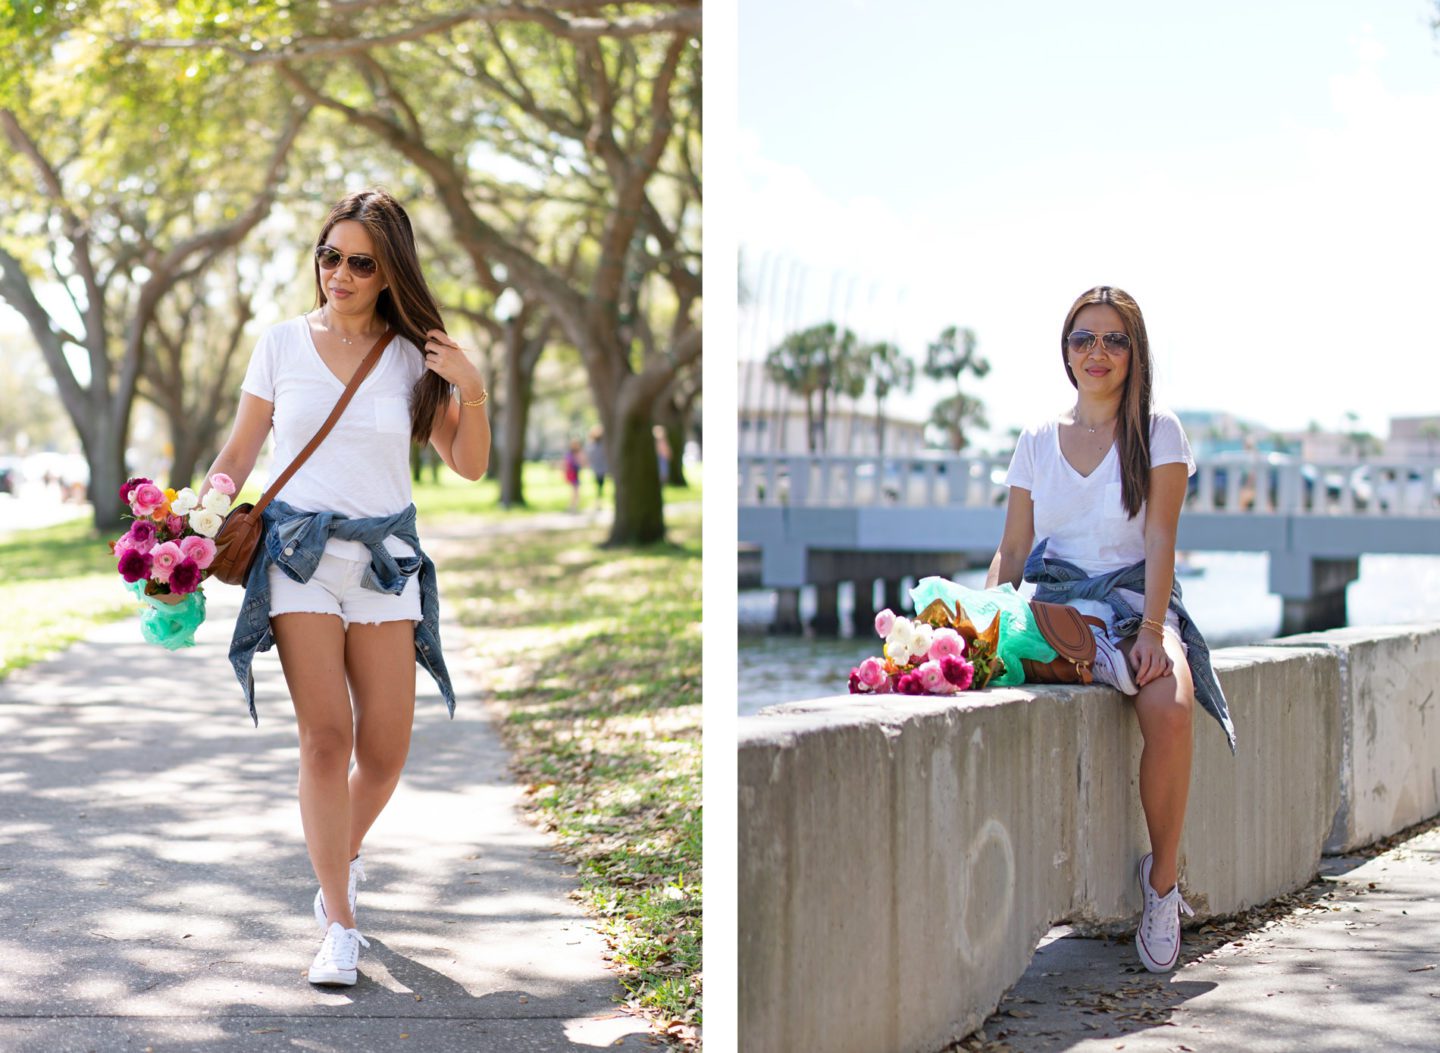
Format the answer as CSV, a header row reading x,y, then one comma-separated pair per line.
x,y
141,536
164,558
958,672
947,643
134,566
884,622
932,679
200,549
175,525
130,485
184,577
855,687
871,673
909,684
146,498
222,482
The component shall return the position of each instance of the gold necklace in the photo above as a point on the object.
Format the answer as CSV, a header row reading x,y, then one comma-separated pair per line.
x,y
325,321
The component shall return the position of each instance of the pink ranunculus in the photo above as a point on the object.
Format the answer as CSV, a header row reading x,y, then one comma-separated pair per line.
x,y
200,549
932,679
958,672
184,577
130,485
222,482
164,558
175,525
134,566
884,622
145,499
871,673
947,644
909,684
141,536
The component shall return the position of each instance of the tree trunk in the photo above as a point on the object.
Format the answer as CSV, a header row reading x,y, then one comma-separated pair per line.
x,y
639,508
519,387
676,429
105,454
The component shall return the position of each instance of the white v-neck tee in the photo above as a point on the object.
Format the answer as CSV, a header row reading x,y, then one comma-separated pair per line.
x,y
1083,515
362,468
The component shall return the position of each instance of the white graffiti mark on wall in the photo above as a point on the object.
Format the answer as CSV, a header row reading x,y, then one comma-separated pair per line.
x,y
984,888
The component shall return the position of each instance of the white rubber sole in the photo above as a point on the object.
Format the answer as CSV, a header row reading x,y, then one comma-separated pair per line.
x,y
333,977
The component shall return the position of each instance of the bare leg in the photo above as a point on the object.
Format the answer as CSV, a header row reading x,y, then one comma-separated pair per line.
x,y
380,660
1166,707
312,654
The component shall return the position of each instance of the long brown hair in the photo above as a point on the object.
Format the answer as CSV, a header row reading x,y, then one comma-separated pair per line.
x,y
407,305
1132,425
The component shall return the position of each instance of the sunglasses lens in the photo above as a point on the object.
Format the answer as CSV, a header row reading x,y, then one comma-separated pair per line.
x,y
327,257
1117,342
362,266
1079,340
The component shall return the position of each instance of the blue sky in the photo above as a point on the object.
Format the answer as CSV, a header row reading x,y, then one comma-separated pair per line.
x,y
1265,179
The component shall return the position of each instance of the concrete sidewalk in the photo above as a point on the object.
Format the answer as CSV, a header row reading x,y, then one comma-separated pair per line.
x,y
1350,963
155,892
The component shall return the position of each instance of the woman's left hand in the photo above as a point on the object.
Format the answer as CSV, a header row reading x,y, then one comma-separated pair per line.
x,y
1148,659
451,361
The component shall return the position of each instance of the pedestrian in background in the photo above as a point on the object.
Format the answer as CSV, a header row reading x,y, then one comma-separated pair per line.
x,y
598,462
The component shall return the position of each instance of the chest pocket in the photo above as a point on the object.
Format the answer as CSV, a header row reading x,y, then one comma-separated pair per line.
x,y
392,416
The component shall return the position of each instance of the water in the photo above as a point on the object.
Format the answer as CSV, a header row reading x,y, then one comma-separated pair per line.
x,y
1229,601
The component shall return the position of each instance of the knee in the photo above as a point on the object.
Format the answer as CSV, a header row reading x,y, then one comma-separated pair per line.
x,y
325,746
382,760
1165,708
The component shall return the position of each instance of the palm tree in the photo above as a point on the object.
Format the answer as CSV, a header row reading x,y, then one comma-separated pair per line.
x,y
804,363
890,371
950,357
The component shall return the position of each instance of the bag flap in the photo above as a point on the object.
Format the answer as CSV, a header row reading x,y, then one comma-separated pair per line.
x,y
1066,630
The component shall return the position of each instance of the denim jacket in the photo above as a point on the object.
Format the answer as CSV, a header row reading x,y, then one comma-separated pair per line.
x,y
1057,581
295,541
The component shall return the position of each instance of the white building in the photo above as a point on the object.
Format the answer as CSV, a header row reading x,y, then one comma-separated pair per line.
x,y
772,420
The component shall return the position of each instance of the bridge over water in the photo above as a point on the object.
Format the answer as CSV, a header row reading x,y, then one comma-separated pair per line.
x,y
821,520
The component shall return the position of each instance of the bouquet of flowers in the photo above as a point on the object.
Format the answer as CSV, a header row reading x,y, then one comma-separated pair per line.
x,y
939,653
164,555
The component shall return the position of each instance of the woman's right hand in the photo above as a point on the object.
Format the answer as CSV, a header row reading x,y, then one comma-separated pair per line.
x,y
1148,659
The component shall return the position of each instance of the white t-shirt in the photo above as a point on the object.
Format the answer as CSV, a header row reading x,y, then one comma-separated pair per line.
x,y
362,468
1083,515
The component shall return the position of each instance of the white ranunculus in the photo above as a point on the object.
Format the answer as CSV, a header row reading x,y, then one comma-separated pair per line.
x,y
205,522
216,502
185,502
921,640
900,639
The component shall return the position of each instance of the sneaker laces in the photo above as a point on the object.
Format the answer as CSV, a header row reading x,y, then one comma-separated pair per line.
x,y
334,944
1157,910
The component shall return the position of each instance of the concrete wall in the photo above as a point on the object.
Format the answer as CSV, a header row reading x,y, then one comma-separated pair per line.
x,y
1390,729
900,857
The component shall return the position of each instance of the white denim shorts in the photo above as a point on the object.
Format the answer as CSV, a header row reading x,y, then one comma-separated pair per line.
x,y
335,588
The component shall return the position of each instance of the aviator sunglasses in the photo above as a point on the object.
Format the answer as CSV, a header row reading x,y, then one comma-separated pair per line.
x,y
360,266
1084,340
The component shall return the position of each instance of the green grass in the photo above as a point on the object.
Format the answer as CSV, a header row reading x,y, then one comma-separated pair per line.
x,y
594,656
452,497
57,583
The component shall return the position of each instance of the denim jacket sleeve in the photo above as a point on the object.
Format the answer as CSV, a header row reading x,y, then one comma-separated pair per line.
x,y
294,541
1058,581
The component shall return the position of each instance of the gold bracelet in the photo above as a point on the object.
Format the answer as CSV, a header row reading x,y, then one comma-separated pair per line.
x,y
476,402
1151,623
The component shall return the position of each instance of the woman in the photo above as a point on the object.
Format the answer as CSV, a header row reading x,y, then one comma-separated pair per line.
x,y
573,460
595,457
340,583
1102,486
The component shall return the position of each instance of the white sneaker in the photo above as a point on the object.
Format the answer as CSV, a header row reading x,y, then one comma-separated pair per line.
x,y
1111,667
339,955
357,875
1158,938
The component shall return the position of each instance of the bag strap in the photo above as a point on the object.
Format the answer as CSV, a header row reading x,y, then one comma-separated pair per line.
x,y
350,389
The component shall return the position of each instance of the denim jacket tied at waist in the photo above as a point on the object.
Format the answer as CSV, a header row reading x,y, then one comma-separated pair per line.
x,y
294,541
1057,581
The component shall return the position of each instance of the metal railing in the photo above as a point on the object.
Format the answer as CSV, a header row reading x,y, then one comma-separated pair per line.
x,y
1256,484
